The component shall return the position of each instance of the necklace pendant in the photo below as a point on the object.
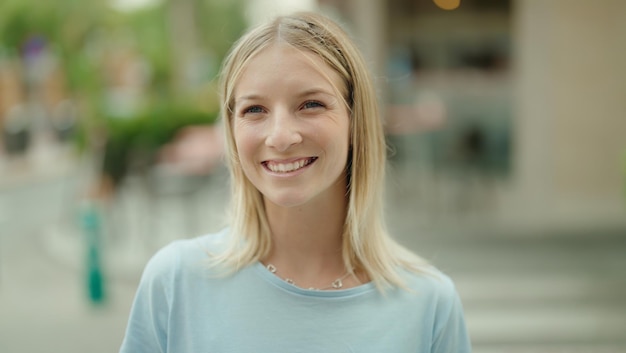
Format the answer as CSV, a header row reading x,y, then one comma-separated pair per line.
x,y
337,283
271,268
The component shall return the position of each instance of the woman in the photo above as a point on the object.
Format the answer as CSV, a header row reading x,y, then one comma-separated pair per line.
x,y
306,264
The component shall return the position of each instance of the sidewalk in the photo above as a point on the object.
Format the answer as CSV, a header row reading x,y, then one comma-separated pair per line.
x,y
43,304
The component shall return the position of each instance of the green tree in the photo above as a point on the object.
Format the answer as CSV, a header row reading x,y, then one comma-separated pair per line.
x,y
73,27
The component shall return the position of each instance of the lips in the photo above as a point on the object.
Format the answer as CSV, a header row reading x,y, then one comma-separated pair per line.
x,y
288,167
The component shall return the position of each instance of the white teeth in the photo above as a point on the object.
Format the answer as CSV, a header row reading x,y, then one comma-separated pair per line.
x,y
288,167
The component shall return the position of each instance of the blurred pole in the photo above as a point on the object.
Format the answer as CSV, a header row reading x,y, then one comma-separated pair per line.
x,y
624,174
92,226
533,108
571,78
370,29
184,39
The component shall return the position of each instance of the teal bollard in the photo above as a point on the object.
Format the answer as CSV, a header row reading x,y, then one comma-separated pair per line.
x,y
90,220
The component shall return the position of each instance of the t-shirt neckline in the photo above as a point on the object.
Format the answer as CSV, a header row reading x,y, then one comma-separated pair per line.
x,y
334,293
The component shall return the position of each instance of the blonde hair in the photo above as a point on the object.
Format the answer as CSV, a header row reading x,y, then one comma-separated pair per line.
x,y
367,245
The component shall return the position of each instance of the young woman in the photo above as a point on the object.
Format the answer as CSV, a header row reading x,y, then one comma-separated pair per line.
x,y
306,264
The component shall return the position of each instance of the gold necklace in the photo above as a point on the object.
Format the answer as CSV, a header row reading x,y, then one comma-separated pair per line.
x,y
336,284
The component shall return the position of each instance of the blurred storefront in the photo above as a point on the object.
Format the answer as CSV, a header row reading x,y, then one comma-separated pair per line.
x,y
509,109
519,105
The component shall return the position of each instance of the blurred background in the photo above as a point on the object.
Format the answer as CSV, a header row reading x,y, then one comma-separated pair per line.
x,y
505,119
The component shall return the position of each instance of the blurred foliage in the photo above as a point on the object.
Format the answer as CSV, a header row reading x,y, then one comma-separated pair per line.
x,y
220,23
65,24
82,33
78,31
135,143
156,126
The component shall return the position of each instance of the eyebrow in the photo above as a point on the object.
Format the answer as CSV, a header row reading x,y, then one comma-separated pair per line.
x,y
308,92
249,97
313,91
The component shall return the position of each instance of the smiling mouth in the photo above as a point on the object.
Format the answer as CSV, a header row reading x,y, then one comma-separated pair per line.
x,y
277,167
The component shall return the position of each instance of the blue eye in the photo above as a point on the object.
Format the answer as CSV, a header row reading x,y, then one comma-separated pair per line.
x,y
312,104
253,109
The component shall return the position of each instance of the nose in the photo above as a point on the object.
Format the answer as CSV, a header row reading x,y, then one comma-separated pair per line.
x,y
283,131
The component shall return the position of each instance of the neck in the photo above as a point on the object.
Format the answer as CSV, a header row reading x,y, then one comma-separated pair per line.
x,y
307,240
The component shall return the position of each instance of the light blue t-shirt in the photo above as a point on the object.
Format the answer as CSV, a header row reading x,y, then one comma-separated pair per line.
x,y
180,307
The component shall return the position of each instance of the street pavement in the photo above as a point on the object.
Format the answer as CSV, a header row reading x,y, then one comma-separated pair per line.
x,y
545,290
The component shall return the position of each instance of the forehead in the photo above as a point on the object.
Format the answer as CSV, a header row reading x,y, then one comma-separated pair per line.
x,y
281,65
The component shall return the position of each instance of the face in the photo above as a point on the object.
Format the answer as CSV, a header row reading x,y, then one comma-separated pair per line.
x,y
291,127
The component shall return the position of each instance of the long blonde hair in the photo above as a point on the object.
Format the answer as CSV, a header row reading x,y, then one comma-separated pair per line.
x,y
367,245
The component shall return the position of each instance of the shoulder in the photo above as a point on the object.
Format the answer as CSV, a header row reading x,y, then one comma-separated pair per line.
x,y
446,317
430,276
439,292
182,254
432,283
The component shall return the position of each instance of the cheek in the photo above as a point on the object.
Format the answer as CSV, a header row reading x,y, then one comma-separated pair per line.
x,y
340,144
243,141
246,140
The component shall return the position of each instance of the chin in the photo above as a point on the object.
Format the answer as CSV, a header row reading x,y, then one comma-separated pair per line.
x,y
286,200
